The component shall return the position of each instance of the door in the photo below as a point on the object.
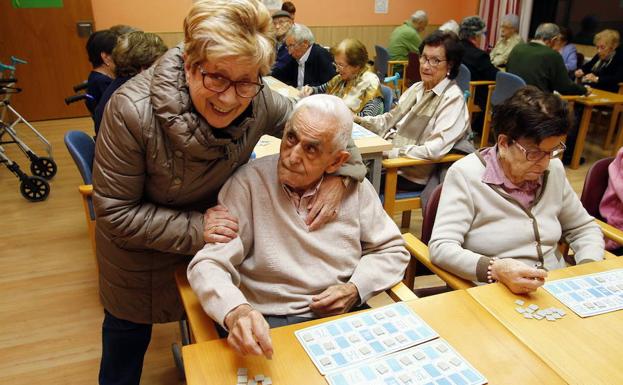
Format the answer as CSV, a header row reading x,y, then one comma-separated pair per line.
x,y
47,39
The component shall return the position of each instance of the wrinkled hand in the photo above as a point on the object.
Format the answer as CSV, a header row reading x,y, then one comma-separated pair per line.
x,y
579,73
590,78
248,332
219,226
336,299
517,276
323,208
305,91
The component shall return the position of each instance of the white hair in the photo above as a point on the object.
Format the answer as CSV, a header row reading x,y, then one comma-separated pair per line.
x,y
330,109
450,26
510,19
301,33
546,31
419,16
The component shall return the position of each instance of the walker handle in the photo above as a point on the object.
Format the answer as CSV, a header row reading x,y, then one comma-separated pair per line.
x,y
16,60
4,67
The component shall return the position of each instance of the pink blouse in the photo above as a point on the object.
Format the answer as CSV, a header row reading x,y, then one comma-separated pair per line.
x,y
611,206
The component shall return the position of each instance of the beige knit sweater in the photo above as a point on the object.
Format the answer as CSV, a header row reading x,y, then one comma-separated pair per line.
x,y
276,265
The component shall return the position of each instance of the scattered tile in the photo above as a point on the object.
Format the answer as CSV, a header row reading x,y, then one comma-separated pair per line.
x,y
519,302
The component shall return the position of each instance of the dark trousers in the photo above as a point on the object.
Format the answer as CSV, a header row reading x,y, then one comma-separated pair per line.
x,y
124,344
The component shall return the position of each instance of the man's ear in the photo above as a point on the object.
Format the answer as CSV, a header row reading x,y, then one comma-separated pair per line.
x,y
339,159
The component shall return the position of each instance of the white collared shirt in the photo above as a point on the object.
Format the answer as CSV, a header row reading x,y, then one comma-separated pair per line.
x,y
300,80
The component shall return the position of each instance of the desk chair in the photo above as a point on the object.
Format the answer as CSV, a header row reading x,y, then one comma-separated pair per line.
x,y
505,86
405,202
419,248
593,191
81,147
463,78
202,327
384,66
388,98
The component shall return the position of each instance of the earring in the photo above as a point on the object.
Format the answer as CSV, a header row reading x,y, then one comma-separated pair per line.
x,y
448,73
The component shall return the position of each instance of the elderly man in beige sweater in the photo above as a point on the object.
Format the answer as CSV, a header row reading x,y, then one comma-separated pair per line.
x,y
277,272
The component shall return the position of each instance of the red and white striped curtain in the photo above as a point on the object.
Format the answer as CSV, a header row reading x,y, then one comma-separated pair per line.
x,y
491,11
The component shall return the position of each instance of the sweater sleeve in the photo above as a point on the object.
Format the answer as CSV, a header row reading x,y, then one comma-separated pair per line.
x,y
384,257
380,124
560,79
119,176
579,229
453,221
213,272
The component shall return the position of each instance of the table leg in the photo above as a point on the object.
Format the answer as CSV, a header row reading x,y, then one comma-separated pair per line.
x,y
579,141
375,171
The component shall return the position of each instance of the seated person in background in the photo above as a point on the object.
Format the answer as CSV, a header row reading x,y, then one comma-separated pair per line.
x,y
282,22
431,117
355,82
539,65
509,38
450,26
605,70
309,64
135,51
567,50
407,37
99,48
277,272
504,208
122,29
611,206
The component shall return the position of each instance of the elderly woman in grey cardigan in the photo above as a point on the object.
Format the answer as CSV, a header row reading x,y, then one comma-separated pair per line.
x,y
504,209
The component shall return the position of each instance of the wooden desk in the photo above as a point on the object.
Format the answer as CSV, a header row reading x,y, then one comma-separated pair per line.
x,y
597,98
371,148
484,342
581,350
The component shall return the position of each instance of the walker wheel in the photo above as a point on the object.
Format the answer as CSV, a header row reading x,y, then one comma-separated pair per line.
x,y
43,167
34,188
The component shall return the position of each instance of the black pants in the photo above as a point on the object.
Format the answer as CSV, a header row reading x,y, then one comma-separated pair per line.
x,y
124,344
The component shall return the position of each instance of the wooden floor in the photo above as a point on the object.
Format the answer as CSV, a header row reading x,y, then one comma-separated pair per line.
x,y
50,316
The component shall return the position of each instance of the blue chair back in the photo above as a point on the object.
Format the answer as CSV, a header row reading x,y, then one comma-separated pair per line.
x,y
463,78
380,62
388,97
81,146
505,86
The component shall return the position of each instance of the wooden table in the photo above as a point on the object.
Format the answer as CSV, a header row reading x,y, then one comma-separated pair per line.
x,y
371,147
581,350
596,98
474,333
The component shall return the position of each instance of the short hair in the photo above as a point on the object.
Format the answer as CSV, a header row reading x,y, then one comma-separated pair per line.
x,y
122,29
98,42
610,37
450,26
300,33
471,26
214,29
510,19
419,16
546,31
533,114
565,34
289,7
354,50
452,46
136,51
330,109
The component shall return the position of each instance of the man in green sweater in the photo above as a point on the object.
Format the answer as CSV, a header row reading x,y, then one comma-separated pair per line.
x,y
406,37
540,65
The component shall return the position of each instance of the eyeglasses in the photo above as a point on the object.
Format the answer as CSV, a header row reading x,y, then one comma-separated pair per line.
x,y
536,155
340,66
217,83
290,47
280,22
432,61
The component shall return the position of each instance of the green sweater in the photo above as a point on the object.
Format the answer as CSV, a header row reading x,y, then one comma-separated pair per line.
x,y
404,39
542,67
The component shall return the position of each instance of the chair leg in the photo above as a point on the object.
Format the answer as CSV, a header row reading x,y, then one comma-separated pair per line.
x,y
616,112
406,219
409,278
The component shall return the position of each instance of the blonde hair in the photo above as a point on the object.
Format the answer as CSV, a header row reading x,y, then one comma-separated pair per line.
x,y
610,37
354,50
214,29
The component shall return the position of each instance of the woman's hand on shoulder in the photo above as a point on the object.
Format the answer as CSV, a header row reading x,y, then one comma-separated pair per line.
x,y
219,226
517,276
324,207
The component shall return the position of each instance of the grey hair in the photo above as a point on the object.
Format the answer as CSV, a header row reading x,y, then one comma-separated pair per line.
x,y
546,31
419,16
330,109
511,19
301,33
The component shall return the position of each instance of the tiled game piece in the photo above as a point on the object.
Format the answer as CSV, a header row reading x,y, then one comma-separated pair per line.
x,y
259,377
382,369
365,350
528,315
406,360
533,307
519,302
520,310
325,361
443,365
242,371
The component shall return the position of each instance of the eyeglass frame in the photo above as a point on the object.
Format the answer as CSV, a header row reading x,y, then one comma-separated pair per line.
x,y
426,59
230,82
552,154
